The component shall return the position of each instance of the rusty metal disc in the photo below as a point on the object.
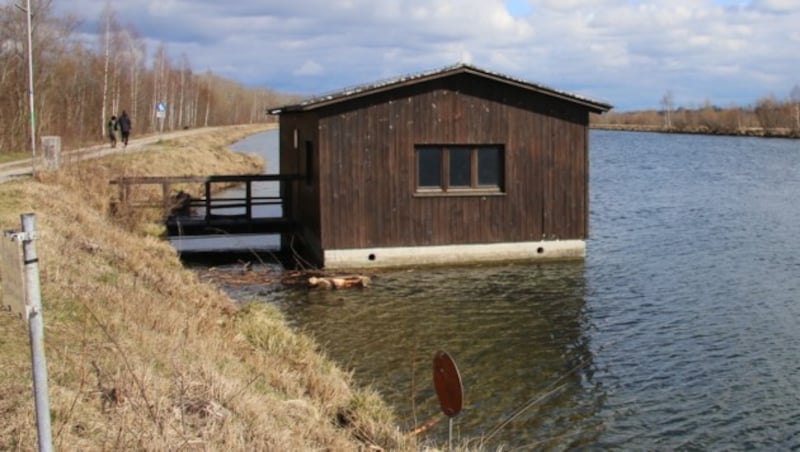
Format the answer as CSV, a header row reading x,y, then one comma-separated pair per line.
x,y
447,382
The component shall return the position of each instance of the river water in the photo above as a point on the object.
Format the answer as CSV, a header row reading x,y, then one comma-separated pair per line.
x,y
678,331
266,145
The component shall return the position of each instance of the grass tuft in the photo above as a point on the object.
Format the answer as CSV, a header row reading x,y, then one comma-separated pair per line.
x,y
144,356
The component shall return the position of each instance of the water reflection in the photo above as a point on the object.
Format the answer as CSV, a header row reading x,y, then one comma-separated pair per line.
x,y
686,309
514,331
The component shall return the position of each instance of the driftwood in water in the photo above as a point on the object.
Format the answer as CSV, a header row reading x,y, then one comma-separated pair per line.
x,y
426,426
247,275
338,282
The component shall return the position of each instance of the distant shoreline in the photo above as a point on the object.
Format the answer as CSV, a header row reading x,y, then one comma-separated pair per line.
x,y
741,132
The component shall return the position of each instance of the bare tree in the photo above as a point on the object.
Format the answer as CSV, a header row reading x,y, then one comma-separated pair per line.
x,y
50,38
794,97
208,98
12,67
136,55
108,36
772,114
74,82
667,105
160,82
58,88
184,91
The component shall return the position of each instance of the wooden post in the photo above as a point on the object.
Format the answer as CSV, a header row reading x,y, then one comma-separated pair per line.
x,y
287,207
126,192
165,189
248,190
208,200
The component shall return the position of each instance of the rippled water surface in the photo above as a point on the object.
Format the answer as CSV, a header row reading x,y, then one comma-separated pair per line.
x,y
680,329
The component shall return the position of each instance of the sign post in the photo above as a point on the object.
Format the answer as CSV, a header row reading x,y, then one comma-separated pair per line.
x,y
21,291
161,113
449,388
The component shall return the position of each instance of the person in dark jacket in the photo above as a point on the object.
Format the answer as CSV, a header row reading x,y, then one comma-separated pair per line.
x,y
112,127
124,127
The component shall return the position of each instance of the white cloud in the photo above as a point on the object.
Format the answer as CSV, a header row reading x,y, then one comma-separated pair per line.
x,y
309,68
163,8
626,52
776,6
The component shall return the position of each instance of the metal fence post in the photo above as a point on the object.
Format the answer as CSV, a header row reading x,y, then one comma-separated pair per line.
x,y
36,331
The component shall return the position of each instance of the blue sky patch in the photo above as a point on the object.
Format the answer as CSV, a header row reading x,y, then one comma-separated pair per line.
x,y
519,8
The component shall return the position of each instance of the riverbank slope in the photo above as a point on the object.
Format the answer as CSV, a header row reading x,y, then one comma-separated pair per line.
x,y
141,354
702,130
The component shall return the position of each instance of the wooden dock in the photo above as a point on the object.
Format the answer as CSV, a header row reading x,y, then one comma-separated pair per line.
x,y
213,212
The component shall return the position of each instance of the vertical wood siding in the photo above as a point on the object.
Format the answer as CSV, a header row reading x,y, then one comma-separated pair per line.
x,y
367,166
303,199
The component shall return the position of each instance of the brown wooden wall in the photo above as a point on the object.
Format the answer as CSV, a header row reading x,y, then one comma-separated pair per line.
x,y
304,198
367,166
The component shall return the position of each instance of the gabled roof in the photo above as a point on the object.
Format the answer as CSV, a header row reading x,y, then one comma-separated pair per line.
x,y
325,100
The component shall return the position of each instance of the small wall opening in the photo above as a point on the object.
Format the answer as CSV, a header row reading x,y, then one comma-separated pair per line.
x,y
371,257
540,250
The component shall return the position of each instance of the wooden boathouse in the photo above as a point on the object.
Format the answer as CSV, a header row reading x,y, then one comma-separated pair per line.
x,y
455,165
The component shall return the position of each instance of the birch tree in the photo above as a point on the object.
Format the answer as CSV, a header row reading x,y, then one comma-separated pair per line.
x,y
109,39
76,84
160,83
184,90
132,53
208,98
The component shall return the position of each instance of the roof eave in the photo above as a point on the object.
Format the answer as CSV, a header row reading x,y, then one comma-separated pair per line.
x,y
596,107
313,104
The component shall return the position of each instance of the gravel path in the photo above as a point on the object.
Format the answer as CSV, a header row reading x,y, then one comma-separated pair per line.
x,y
22,168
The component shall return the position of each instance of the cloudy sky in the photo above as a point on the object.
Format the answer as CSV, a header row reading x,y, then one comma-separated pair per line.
x,y
625,52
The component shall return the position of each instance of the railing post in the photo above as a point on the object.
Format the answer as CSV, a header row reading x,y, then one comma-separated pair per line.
x,y
165,189
121,188
208,200
126,192
248,194
287,189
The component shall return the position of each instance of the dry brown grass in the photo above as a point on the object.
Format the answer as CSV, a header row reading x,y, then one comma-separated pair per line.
x,y
142,355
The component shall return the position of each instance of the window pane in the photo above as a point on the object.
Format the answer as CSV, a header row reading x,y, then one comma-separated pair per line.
x,y
429,167
490,166
460,167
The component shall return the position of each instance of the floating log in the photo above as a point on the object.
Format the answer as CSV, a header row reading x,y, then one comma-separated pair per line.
x,y
426,426
338,282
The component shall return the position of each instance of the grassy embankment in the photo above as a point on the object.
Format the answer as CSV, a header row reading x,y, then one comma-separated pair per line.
x,y
141,354
14,156
702,130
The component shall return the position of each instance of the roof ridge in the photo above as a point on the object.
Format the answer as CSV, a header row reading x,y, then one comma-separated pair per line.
x,y
379,85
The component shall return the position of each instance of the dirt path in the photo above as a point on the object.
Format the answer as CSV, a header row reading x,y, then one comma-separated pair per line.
x,y
22,168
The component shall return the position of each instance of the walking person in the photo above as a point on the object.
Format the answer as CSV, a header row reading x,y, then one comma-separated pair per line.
x,y
112,127
124,127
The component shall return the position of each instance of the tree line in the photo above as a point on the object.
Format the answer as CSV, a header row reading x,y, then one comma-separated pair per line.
x,y
769,116
77,87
